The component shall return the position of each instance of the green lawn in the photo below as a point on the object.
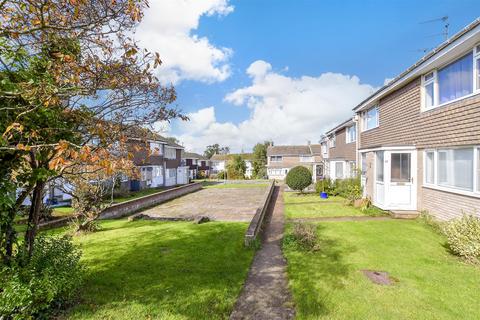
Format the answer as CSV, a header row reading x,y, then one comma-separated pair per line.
x,y
62,211
162,270
432,284
310,205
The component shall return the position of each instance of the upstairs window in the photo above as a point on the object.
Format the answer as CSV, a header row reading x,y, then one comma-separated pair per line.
x,y
455,80
370,119
332,141
305,158
352,134
429,92
275,158
477,67
170,153
155,148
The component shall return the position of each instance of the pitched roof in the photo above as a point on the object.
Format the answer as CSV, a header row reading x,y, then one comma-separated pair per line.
x,y
146,134
288,150
193,155
316,149
223,157
342,125
405,75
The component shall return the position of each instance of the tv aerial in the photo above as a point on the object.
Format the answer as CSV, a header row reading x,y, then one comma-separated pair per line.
x,y
446,25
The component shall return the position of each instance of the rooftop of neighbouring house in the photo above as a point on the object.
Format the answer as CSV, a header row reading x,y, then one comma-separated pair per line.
x,y
193,155
288,150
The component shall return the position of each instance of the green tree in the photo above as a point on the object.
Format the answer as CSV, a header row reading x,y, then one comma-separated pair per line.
x,y
70,74
298,178
236,168
260,159
215,149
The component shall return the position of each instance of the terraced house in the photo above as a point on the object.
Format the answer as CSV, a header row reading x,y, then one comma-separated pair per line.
x,y
158,161
280,159
197,164
419,136
339,150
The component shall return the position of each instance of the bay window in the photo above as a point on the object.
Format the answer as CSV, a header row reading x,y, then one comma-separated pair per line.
x,y
453,169
370,119
454,81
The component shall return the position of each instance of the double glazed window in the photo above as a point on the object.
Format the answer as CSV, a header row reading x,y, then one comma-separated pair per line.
x,y
370,119
453,168
332,141
338,170
352,134
454,81
275,158
170,153
304,158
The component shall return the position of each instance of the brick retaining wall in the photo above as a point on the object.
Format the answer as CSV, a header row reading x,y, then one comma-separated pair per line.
x,y
127,208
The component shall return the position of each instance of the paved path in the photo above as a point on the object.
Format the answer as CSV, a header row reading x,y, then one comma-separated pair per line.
x,y
265,294
329,219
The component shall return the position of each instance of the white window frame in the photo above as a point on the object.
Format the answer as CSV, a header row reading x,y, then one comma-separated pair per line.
x,y
476,86
352,128
169,154
332,141
277,158
305,158
436,186
476,71
364,119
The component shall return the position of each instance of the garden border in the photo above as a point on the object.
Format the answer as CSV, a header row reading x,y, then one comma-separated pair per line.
x,y
255,225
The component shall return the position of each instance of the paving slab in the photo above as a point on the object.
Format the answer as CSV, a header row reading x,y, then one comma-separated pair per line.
x,y
220,204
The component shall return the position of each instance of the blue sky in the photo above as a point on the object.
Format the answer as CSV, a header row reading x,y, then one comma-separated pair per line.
x,y
301,48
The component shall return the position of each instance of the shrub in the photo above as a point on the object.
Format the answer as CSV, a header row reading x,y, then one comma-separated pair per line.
x,y
30,289
303,236
463,237
221,175
298,178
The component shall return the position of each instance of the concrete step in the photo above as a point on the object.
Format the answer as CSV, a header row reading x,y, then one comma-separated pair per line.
x,y
404,214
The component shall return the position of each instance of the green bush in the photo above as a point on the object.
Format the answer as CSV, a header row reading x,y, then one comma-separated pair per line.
x,y
303,236
298,178
463,237
221,175
30,289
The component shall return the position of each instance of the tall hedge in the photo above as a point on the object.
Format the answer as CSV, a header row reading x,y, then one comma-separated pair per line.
x,y
298,178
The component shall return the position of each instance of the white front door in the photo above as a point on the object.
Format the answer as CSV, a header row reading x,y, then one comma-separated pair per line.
x,y
395,183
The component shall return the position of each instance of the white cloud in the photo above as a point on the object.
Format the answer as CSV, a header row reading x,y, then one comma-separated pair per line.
x,y
286,109
168,28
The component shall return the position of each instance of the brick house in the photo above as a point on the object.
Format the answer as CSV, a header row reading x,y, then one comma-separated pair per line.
x,y
158,161
339,150
419,137
197,164
280,159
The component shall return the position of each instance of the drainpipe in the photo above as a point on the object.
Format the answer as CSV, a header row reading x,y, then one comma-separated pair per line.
x,y
163,166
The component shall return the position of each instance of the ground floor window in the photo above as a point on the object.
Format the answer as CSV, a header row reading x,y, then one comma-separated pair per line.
x,y
338,170
456,168
275,172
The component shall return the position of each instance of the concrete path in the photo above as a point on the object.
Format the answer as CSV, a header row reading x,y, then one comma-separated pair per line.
x,y
265,294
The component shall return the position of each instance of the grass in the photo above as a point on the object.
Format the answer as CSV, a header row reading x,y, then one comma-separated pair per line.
x,y
432,283
162,270
310,205
63,211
